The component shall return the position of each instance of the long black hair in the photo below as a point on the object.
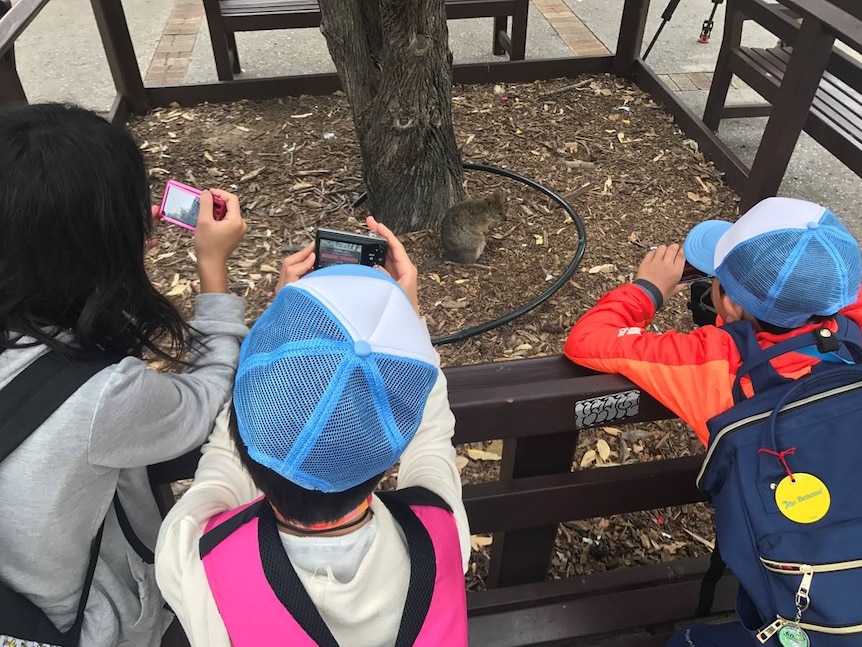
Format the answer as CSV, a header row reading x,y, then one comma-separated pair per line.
x,y
75,216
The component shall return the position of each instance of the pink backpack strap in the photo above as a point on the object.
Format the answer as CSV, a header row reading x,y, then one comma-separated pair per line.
x,y
260,598
435,612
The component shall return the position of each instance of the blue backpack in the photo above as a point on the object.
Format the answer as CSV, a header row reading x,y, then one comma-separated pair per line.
x,y
783,471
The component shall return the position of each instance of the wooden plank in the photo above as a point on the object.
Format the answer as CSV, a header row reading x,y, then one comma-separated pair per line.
x,y
614,611
583,494
739,110
711,146
317,84
16,21
839,23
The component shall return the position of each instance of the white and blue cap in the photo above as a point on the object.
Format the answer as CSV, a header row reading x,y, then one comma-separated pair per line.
x,y
333,378
784,261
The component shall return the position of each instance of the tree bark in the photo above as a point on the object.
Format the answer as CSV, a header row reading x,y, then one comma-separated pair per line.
x,y
396,68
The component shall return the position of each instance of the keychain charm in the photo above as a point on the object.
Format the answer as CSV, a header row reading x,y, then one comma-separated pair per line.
x,y
791,636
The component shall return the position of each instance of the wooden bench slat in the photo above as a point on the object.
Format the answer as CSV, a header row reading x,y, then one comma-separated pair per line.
x,y
835,114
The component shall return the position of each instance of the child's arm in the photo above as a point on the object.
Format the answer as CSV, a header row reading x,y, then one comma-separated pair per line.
x,y
690,373
143,416
220,484
429,460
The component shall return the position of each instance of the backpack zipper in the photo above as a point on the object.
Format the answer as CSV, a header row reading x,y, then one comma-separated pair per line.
x,y
767,632
802,600
759,416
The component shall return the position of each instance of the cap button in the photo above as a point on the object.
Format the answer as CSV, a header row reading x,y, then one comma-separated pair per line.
x,y
813,225
362,348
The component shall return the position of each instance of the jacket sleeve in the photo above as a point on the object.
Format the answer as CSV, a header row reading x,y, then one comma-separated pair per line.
x,y
220,484
144,416
429,460
689,373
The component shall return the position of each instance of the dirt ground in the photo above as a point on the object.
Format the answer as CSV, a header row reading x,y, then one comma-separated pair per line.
x,y
599,142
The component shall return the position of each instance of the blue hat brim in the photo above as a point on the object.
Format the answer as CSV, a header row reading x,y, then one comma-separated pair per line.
x,y
699,246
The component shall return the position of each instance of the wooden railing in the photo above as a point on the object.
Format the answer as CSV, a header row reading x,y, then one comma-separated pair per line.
x,y
531,405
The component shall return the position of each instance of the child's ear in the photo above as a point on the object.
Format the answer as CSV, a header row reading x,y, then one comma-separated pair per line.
x,y
731,310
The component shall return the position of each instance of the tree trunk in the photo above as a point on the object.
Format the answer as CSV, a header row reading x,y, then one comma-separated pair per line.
x,y
396,68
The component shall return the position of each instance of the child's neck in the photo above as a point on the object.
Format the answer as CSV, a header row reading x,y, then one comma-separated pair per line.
x,y
350,522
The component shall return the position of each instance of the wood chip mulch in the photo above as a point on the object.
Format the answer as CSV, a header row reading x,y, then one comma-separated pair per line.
x,y
598,141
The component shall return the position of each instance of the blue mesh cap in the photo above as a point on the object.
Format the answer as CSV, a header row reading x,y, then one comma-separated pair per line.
x,y
333,378
786,260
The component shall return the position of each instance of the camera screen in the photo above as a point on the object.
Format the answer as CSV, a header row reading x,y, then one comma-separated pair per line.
x,y
182,205
336,252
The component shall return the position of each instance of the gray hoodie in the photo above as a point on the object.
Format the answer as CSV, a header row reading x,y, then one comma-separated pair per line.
x,y
56,488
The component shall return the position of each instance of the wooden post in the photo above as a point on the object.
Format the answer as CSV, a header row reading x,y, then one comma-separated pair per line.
x,y
732,38
522,556
631,37
114,30
11,90
808,61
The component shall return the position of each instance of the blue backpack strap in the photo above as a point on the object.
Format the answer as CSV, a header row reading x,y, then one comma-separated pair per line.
x,y
847,341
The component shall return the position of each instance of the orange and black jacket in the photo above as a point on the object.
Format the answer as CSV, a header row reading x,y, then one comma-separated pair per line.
x,y
692,374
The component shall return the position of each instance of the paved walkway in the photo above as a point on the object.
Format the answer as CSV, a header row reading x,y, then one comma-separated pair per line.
x,y
60,59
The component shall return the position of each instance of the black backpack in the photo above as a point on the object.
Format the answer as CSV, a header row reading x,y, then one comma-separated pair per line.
x,y
25,403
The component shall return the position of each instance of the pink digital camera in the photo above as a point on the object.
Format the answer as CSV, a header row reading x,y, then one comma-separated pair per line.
x,y
181,203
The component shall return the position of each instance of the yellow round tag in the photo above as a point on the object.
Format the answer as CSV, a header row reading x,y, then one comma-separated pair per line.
x,y
804,499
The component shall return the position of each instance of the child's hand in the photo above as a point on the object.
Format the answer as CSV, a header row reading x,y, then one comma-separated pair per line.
x,y
398,264
295,266
216,240
152,242
663,267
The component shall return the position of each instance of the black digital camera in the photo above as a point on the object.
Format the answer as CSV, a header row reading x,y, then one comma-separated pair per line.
x,y
334,247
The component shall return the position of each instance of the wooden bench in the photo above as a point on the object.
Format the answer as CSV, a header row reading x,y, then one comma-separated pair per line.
x,y
226,17
820,90
531,405
11,90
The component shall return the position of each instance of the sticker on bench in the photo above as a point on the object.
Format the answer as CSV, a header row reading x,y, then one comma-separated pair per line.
x,y
607,408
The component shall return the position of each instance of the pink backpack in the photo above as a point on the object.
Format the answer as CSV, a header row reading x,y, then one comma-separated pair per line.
x,y
262,601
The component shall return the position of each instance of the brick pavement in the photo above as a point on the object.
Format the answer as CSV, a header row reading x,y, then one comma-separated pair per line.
x,y
174,51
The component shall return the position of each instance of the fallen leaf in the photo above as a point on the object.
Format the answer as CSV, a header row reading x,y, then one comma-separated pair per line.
x,y
268,268
448,303
177,290
539,239
480,541
706,542
435,277
612,431
603,449
694,197
208,157
523,347
470,138
482,455
588,458
607,268
251,175
461,462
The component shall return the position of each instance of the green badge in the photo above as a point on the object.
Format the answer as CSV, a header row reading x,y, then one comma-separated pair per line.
x,y
791,636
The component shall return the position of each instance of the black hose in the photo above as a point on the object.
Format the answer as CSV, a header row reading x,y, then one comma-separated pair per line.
x,y
544,296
